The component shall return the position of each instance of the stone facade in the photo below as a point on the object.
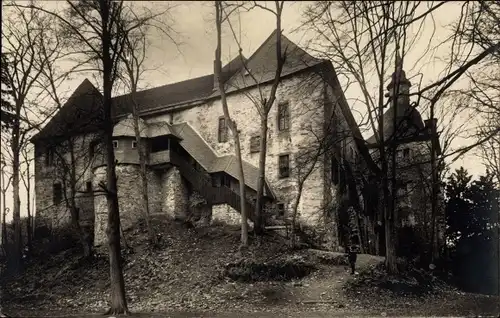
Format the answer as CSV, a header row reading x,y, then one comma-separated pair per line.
x,y
310,105
307,108
314,114
223,213
175,194
54,171
167,194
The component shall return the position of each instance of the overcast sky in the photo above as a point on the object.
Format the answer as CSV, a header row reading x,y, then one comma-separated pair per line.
x,y
194,22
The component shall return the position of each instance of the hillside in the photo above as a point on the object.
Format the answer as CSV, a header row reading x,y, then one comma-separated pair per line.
x,y
201,270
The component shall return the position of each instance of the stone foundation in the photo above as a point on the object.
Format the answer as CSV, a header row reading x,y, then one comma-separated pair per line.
x,y
167,194
174,194
223,213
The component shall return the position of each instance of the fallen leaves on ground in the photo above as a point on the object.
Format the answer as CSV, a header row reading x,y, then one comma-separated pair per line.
x,y
188,271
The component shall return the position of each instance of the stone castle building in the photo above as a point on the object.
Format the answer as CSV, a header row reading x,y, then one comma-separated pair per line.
x,y
191,166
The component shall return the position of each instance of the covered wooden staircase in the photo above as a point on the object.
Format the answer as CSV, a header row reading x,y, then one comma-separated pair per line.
x,y
202,183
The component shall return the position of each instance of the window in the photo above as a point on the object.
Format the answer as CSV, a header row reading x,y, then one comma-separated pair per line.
x,y
57,193
92,148
404,192
225,181
284,166
49,157
283,116
222,130
115,144
88,187
403,153
335,171
254,144
406,152
280,207
160,143
134,144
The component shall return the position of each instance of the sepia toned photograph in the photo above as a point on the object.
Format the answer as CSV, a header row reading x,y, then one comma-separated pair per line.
x,y
250,159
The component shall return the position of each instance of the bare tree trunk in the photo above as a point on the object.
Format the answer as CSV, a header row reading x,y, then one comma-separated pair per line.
x,y
4,225
26,178
434,185
390,255
118,300
3,188
70,172
264,109
259,219
232,125
142,161
16,213
241,177
294,215
28,208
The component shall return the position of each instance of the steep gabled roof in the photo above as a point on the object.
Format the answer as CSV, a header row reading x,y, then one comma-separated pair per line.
x,y
81,113
263,63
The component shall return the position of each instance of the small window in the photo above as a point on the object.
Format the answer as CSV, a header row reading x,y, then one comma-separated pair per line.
x,y
115,144
284,166
280,207
57,194
88,187
254,144
283,116
92,149
406,152
225,181
49,157
222,130
134,144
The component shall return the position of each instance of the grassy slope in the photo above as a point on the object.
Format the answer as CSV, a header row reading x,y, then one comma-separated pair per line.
x,y
187,273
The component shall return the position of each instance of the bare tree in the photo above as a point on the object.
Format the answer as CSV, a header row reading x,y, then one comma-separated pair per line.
x,y
24,34
94,30
359,38
6,179
220,17
263,103
360,41
27,176
133,59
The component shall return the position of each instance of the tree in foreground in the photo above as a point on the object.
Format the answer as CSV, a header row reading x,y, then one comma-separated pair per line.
x,y
220,17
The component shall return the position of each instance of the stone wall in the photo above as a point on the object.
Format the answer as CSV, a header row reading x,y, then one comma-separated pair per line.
x,y
414,202
175,194
56,215
305,97
129,198
225,214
